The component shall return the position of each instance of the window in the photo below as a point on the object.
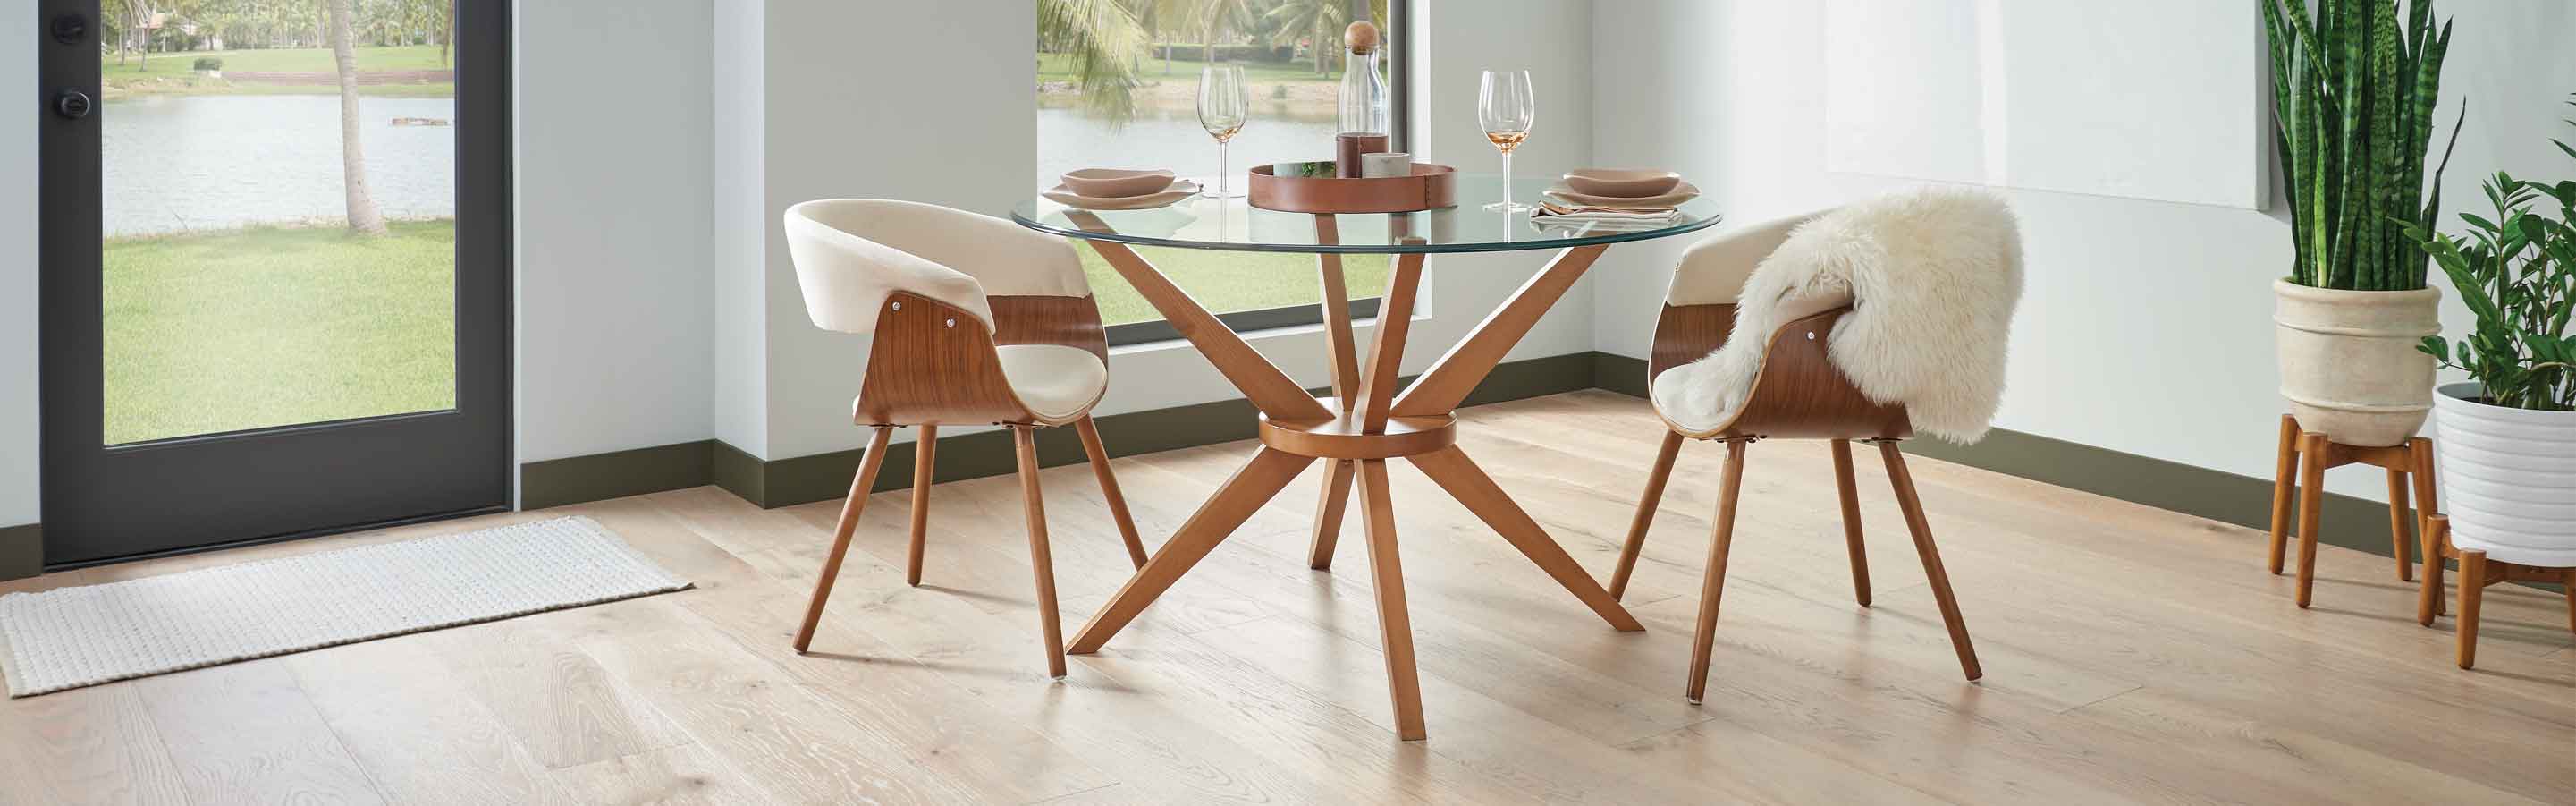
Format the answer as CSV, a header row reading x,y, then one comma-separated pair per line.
x,y
1118,86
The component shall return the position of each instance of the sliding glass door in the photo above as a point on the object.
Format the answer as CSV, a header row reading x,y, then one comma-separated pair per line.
x,y
275,269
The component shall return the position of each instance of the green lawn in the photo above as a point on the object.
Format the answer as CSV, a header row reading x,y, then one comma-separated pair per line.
x,y
1227,281
175,73
275,326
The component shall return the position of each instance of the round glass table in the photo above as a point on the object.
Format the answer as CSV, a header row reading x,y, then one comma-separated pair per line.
x,y
1368,419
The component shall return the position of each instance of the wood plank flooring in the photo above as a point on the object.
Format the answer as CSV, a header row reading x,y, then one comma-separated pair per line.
x,y
2132,655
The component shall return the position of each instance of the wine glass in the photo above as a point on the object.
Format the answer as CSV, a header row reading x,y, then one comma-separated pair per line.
x,y
1506,105
1224,103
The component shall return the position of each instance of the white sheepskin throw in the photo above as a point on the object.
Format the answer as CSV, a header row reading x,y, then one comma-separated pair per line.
x,y
1933,275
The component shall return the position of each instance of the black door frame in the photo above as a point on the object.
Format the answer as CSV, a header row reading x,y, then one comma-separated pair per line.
x,y
104,504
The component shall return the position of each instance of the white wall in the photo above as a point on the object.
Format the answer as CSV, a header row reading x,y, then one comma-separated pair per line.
x,y
18,420
739,304
2146,326
615,332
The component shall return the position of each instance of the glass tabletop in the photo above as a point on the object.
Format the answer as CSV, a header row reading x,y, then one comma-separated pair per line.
x,y
1233,224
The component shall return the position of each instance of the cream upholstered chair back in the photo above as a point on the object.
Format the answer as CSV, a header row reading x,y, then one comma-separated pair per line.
x,y
851,253
1713,271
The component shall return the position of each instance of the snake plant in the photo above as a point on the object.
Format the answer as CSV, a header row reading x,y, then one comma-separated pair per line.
x,y
2352,98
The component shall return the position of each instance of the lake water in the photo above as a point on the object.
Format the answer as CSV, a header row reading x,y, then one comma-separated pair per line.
x,y
178,163
1170,137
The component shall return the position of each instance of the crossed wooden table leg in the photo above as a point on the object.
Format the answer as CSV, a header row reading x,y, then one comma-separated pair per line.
x,y
1366,422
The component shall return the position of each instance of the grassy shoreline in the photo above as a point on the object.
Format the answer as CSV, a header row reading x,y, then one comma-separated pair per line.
x,y
175,73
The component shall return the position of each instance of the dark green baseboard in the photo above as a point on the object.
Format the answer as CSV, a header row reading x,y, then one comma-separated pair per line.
x,y
22,551
558,482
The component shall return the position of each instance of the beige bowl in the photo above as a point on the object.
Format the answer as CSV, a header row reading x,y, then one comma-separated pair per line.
x,y
1619,183
1117,183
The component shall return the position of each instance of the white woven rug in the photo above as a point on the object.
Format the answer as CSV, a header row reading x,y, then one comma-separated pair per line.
x,y
72,637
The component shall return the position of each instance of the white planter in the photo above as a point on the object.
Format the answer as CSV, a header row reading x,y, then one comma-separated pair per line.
x,y
2349,366
2508,478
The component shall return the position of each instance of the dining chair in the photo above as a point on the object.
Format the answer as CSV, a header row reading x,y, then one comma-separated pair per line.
x,y
974,320
1797,392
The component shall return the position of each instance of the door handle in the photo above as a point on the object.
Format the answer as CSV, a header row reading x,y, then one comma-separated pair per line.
x,y
73,104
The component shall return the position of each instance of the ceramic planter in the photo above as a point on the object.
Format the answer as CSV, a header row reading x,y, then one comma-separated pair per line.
x,y
2348,361
2508,478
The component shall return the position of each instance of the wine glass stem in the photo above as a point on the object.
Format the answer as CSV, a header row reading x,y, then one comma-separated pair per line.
x,y
1220,168
1507,181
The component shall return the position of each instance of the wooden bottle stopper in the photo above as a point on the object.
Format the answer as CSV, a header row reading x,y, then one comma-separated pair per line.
x,y
1361,37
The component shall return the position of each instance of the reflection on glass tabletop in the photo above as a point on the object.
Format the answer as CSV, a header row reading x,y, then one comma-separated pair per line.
x,y
1234,225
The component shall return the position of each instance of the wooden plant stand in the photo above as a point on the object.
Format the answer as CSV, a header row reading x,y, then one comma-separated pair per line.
x,y
2304,458
2476,573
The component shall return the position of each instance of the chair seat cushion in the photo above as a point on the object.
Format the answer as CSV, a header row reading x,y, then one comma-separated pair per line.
x,y
1055,381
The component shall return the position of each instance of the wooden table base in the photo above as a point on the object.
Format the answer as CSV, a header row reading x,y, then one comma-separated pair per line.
x,y
1364,423
2301,466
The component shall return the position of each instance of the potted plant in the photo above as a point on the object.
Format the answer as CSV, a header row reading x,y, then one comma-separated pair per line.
x,y
2353,94
2508,452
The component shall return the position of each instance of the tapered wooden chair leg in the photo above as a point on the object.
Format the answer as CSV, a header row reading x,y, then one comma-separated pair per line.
x,y
1645,518
2312,476
924,448
1850,493
2473,590
1099,456
1712,586
849,523
1912,505
2285,471
2397,509
1328,513
1041,560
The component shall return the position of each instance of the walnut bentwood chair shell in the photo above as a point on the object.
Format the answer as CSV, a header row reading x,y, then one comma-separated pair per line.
x,y
975,320
1799,394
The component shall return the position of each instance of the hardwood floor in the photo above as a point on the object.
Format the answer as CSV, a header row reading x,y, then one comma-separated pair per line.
x,y
2131,655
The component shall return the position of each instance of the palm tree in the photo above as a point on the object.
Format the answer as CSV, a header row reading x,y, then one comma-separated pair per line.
x,y
1216,17
1162,19
1102,36
133,19
364,219
1320,19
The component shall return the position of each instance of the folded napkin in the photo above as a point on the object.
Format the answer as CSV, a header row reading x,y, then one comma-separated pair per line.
x,y
1554,213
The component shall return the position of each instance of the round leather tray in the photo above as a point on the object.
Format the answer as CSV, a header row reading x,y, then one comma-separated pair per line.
x,y
1431,187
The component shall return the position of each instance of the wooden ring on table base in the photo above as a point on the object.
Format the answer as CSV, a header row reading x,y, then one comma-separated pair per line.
x,y
1345,437
2298,476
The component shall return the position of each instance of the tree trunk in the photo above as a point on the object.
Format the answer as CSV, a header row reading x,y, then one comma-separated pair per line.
x,y
1319,48
447,40
363,217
